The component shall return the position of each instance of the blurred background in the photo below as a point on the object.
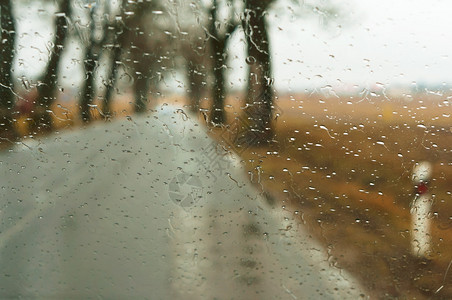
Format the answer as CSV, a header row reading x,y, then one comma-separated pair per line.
x,y
330,105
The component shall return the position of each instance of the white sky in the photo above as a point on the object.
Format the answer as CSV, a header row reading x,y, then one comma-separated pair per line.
x,y
386,41
391,42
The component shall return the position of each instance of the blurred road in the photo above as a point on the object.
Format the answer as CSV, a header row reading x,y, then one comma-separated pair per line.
x,y
149,208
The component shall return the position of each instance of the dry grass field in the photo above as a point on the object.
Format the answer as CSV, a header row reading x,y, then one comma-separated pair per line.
x,y
343,167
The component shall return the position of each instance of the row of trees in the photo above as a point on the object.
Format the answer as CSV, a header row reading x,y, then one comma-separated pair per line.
x,y
7,97
144,40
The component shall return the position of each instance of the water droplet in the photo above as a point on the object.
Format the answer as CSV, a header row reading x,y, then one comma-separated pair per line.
x,y
250,60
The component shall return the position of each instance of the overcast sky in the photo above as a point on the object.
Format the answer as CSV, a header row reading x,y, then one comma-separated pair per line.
x,y
385,42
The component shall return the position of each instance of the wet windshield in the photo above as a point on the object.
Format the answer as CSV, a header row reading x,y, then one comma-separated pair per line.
x,y
276,149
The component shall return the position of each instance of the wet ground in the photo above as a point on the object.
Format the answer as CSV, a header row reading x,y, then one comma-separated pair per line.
x,y
150,207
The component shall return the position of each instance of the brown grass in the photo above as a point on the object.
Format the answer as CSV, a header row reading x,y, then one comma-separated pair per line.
x,y
353,192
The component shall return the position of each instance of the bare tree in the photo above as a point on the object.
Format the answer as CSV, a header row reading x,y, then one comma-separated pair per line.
x,y
116,35
258,128
140,58
7,98
259,91
132,47
92,49
48,83
220,33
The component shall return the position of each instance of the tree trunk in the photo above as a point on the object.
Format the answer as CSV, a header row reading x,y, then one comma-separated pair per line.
x,y
47,86
7,100
90,62
219,36
118,37
111,82
140,69
87,91
141,59
218,45
141,77
219,90
258,114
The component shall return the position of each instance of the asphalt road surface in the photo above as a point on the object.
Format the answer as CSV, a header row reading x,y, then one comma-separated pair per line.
x,y
149,208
